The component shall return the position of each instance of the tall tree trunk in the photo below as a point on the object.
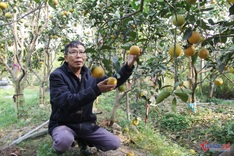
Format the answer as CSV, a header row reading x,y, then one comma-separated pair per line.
x,y
42,92
201,77
211,88
18,97
190,77
127,106
116,105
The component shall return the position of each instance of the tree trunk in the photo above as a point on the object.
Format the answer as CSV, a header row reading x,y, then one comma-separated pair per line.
x,y
116,105
18,97
127,106
190,78
42,92
211,88
201,77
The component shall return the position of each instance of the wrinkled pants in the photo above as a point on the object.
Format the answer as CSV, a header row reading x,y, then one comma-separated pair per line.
x,y
102,139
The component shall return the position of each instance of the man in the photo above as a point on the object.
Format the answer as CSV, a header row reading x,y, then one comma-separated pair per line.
x,y
72,93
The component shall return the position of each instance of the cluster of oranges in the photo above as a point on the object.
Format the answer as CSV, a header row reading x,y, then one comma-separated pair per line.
x,y
190,49
176,50
195,38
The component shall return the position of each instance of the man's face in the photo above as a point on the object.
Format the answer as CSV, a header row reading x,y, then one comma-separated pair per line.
x,y
76,57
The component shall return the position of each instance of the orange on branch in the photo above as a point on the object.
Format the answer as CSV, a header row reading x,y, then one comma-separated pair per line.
x,y
190,51
178,20
194,38
55,2
3,5
225,68
203,53
122,88
218,81
177,49
8,15
97,72
232,70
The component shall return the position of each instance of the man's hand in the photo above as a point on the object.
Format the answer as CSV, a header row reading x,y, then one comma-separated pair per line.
x,y
132,59
104,87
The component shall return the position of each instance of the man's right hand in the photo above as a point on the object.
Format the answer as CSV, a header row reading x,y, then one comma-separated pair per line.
x,y
104,87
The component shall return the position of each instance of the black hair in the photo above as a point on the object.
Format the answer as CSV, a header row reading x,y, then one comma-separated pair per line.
x,y
72,44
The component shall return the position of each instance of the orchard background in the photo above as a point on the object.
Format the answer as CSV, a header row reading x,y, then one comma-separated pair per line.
x,y
181,87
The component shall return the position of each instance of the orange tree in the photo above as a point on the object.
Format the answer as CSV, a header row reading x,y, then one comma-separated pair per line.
x,y
110,28
31,40
118,25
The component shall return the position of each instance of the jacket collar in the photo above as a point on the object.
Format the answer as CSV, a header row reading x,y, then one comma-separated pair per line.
x,y
84,69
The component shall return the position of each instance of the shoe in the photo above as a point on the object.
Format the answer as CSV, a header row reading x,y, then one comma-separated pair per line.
x,y
84,151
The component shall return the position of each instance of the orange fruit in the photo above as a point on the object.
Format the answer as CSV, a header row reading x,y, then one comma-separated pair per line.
x,y
225,68
8,15
135,122
178,50
65,13
194,38
122,88
55,2
97,72
192,151
113,36
203,53
134,50
231,1
232,70
180,20
3,5
130,154
112,81
191,1
71,10
218,81
190,51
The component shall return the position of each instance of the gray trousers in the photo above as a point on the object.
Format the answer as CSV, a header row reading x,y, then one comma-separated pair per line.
x,y
102,139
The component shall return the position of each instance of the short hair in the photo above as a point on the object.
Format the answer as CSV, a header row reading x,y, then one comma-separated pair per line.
x,y
72,44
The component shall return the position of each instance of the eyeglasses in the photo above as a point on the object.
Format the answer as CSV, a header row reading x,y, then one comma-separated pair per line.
x,y
75,53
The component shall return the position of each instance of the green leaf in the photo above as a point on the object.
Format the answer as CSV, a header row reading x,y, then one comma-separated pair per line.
x,y
91,50
50,3
211,21
116,63
133,34
126,46
187,34
107,66
162,96
173,104
194,58
182,96
106,47
187,91
37,1
166,86
231,10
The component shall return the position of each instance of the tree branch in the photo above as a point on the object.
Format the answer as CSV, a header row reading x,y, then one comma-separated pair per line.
x,y
128,15
39,7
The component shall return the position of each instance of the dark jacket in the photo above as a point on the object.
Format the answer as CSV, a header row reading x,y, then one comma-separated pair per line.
x,y
72,100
